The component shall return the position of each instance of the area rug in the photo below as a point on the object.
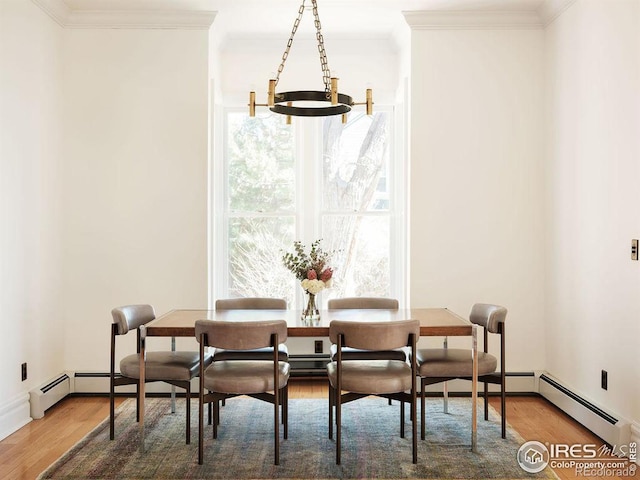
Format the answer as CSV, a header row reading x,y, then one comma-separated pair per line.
x,y
371,445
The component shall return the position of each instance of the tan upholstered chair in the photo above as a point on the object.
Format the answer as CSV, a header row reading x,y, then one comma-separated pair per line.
x,y
361,378
251,303
230,378
437,365
372,303
175,368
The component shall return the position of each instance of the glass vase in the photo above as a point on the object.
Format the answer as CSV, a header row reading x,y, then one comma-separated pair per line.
x,y
310,314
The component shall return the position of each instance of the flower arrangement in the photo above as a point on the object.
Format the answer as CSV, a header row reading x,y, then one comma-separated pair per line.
x,y
310,268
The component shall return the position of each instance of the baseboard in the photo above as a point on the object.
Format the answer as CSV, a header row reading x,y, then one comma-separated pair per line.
x,y
14,415
612,428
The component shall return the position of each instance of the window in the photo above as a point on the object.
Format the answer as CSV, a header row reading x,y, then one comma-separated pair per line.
x,y
316,178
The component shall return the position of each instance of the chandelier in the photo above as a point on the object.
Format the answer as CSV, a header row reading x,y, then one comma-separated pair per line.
x,y
309,103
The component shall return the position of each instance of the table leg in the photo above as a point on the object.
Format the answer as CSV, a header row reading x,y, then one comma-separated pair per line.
x,y
173,387
445,386
474,390
141,392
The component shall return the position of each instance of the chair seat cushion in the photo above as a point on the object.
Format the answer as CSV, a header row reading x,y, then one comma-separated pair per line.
x,y
244,376
452,362
372,376
177,366
266,353
349,353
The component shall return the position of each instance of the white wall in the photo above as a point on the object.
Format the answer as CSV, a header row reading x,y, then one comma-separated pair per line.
x,y
476,220
32,320
104,152
593,296
248,64
135,198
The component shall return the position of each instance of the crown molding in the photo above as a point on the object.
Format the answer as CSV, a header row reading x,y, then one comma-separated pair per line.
x,y
472,20
56,9
129,19
552,9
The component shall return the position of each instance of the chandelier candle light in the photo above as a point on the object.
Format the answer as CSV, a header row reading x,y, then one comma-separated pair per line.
x,y
285,102
314,274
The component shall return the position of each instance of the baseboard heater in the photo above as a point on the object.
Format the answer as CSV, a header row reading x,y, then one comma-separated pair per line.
x,y
613,430
314,365
47,394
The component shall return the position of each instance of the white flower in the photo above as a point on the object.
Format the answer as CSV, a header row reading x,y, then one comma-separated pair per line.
x,y
313,286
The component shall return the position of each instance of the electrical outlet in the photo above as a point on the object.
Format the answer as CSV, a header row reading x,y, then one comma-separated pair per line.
x,y
634,249
318,345
24,371
603,379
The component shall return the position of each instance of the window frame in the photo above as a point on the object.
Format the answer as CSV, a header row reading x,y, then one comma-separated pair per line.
x,y
308,216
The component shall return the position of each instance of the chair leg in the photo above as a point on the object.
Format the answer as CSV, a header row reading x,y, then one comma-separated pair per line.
x,y
111,411
422,409
209,411
486,401
331,403
216,418
276,427
503,406
338,424
414,421
200,425
137,402
285,411
401,419
188,412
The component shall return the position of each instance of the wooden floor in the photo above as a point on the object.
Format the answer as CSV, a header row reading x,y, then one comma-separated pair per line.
x,y
33,448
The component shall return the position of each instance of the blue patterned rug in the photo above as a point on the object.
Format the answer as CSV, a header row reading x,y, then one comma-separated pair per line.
x,y
372,447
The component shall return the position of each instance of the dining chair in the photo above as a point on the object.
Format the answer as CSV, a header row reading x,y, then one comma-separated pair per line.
x,y
366,303
251,303
351,380
226,379
436,365
176,368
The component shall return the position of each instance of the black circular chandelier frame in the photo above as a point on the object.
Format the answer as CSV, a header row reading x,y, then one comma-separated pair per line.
x,y
292,103
284,104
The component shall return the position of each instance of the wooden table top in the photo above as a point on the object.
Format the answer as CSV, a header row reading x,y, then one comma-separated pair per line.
x,y
433,321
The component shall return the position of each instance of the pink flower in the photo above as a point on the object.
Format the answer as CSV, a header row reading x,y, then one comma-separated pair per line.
x,y
326,275
312,275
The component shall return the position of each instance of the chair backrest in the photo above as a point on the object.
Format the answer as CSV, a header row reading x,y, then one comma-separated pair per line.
x,y
374,335
241,335
489,316
251,303
377,303
130,317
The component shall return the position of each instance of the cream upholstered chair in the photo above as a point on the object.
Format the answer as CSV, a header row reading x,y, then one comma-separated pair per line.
x,y
362,378
366,303
230,378
437,365
175,368
251,303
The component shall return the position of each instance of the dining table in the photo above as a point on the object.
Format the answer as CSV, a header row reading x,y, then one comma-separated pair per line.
x,y
439,322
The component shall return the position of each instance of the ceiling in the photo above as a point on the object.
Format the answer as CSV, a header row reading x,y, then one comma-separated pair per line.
x,y
238,18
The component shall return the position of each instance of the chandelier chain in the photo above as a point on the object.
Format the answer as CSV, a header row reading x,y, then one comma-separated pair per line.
x,y
326,73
